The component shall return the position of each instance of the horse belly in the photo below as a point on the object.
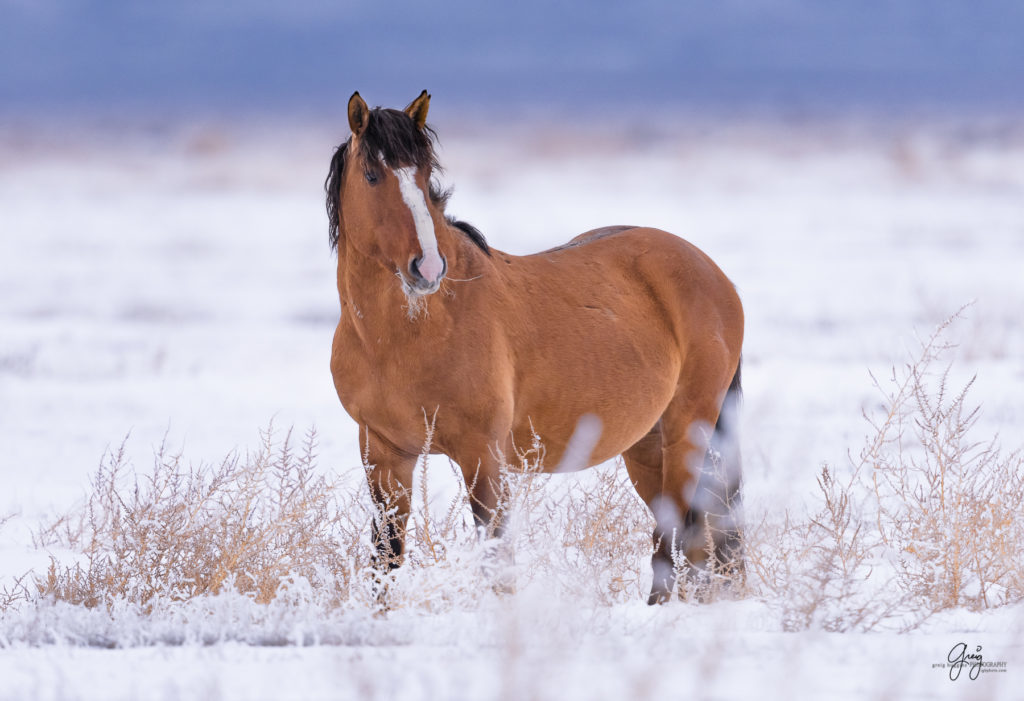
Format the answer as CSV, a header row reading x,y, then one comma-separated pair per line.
x,y
623,376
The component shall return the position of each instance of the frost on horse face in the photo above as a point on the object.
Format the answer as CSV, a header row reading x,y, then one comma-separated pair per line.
x,y
622,341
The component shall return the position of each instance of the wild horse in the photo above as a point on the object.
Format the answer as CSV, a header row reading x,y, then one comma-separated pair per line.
x,y
631,325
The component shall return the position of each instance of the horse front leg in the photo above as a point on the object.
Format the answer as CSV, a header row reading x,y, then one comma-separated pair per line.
x,y
389,476
484,488
484,483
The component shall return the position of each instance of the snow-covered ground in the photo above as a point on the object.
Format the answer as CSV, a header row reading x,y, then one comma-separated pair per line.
x,y
177,280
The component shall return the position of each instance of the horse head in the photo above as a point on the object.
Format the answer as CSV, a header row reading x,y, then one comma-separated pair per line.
x,y
380,197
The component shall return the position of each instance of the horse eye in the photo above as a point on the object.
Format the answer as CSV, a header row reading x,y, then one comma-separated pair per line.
x,y
371,176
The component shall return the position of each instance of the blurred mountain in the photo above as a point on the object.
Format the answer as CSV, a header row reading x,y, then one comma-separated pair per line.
x,y
600,55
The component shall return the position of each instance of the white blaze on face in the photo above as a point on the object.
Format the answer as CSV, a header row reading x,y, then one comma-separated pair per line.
x,y
429,264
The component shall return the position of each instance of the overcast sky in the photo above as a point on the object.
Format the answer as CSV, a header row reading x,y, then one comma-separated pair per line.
x,y
308,54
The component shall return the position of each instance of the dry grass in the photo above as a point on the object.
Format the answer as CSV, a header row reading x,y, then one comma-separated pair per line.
x,y
925,519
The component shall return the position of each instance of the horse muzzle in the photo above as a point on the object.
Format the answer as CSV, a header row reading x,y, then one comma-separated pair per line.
x,y
426,273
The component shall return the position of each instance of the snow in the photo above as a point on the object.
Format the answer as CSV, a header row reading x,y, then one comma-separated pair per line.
x,y
177,281
707,663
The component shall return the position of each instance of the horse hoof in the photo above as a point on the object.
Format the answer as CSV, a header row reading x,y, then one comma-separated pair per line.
x,y
659,596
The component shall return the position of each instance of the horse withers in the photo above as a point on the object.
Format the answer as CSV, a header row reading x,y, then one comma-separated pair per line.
x,y
631,325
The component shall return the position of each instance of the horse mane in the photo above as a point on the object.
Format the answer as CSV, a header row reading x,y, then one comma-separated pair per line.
x,y
472,232
392,136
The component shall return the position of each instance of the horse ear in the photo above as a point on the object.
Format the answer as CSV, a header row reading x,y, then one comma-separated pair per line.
x,y
417,109
358,114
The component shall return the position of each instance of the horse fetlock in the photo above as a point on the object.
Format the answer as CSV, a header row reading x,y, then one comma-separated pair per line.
x,y
663,582
389,545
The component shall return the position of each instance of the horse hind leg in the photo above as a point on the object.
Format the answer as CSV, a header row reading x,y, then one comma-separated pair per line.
x,y
644,461
718,499
696,505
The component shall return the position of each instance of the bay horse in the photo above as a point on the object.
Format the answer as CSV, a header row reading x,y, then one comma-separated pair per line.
x,y
631,325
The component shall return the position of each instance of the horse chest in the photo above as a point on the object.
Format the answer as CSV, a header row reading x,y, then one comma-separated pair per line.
x,y
384,381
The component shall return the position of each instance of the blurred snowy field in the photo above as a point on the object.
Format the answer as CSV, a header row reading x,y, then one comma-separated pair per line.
x,y
176,280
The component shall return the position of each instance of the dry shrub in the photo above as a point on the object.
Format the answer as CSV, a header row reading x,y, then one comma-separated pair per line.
x,y
927,519
16,591
583,536
269,523
607,538
948,504
822,571
179,532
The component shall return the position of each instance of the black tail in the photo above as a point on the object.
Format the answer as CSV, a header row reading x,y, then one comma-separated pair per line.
x,y
727,428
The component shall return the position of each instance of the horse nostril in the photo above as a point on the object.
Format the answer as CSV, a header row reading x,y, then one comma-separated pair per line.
x,y
417,273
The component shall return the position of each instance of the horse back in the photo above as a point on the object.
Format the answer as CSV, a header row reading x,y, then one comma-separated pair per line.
x,y
641,267
592,235
613,323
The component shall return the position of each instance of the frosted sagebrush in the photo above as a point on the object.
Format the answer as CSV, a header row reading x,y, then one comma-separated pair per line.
x,y
180,531
270,525
928,517
948,501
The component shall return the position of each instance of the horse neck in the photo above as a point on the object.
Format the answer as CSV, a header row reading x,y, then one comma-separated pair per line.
x,y
373,294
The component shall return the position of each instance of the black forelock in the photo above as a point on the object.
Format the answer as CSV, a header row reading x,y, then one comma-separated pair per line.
x,y
392,135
